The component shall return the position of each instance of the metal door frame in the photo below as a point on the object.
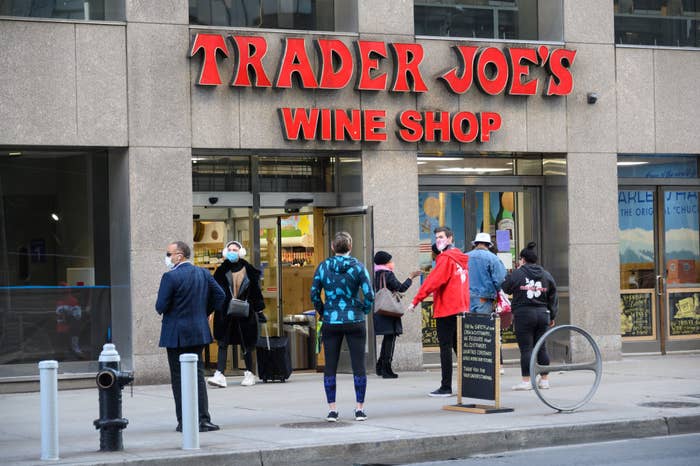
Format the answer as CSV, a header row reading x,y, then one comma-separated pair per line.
x,y
658,187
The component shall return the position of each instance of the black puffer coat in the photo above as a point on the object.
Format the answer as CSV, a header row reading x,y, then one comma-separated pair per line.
x,y
387,325
232,330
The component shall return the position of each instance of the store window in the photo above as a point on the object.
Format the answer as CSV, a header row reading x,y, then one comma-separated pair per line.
x,y
54,258
284,173
670,23
97,10
659,247
306,15
490,19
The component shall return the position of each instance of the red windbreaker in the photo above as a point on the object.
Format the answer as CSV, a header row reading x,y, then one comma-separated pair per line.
x,y
449,284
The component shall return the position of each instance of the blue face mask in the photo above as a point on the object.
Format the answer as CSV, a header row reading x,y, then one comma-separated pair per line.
x,y
232,256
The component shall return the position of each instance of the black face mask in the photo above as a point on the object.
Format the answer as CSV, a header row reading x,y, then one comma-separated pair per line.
x,y
435,250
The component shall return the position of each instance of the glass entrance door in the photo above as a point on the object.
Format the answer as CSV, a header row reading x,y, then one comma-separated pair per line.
x,y
358,222
659,269
290,245
511,215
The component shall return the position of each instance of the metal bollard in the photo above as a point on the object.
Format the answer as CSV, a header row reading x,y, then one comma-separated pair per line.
x,y
190,406
110,382
48,388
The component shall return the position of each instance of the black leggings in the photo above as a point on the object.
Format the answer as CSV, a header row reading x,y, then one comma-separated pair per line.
x,y
223,355
530,323
356,335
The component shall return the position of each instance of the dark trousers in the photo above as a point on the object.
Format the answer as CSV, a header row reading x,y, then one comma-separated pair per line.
x,y
386,354
332,336
223,355
530,323
447,339
175,382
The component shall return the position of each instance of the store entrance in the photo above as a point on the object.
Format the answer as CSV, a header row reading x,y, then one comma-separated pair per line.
x,y
659,268
289,244
510,214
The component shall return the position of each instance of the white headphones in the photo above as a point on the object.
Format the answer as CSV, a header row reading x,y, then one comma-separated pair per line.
x,y
241,250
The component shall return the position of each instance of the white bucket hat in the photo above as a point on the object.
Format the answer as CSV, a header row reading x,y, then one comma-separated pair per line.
x,y
482,238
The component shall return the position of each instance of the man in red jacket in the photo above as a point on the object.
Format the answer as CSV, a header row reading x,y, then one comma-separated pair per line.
x,y
449,284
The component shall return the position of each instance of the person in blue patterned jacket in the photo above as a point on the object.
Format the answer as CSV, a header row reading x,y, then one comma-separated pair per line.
x,y
341,278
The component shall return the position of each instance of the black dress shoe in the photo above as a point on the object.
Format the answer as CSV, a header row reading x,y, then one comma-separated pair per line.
x,y
179,427
207,426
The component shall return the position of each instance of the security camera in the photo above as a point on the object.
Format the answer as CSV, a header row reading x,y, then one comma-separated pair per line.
x,y
213,200
592,97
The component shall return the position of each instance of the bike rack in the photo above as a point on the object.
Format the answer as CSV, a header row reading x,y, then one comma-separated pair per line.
x,y
595,366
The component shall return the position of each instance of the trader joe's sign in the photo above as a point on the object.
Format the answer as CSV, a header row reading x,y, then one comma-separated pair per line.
x,y
493,71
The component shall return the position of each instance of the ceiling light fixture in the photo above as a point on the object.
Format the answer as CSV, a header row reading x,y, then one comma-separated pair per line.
x,y
54,216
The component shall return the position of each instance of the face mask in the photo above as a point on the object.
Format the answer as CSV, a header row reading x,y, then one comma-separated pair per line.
x,y
441,243
169,262
232,256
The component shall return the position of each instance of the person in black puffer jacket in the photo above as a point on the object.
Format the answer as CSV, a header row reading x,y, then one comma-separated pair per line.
x,y
388,326
535,305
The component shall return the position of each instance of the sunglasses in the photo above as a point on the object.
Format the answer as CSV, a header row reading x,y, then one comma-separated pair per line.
x,y
168,254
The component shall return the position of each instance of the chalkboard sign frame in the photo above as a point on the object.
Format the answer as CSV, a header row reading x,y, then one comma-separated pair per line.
x,y
489,386
671,312
652,297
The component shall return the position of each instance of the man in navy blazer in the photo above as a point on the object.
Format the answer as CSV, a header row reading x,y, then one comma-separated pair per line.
x,y
186,297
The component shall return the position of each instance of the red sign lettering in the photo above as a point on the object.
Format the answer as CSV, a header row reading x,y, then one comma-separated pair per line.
x,y
494,71
209,44
248,58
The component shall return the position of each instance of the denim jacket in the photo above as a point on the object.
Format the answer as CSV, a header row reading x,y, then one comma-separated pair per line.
x,y
486,273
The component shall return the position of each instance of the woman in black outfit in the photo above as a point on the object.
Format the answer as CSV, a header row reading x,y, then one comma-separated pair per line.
x,y
230,275
388,326
535,305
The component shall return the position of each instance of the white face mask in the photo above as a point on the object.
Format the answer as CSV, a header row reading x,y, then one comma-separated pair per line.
x,y
169,262
441,243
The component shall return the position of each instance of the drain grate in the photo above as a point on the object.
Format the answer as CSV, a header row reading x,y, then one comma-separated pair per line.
x,y
669,404
315,425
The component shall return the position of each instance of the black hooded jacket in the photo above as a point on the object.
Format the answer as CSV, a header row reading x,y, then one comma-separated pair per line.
x,y
532,286
238,331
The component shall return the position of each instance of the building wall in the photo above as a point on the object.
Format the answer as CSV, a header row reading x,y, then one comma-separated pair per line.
x,y
132,86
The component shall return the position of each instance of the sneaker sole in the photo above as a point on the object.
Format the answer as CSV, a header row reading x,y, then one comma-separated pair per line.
x,y
331,420
435,395
360,418
214,384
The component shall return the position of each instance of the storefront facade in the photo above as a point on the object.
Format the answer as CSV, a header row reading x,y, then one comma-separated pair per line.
x,y
202,123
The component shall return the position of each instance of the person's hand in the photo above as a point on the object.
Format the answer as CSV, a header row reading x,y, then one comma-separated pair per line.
x,y
411,308
211,319
551,323
261,317
414,274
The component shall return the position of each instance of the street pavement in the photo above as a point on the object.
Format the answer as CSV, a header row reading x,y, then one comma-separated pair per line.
x,y
284,423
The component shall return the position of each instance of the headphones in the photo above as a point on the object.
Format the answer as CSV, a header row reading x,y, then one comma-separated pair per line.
x,y
241,250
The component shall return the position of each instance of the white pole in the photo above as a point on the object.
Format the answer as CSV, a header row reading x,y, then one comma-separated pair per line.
x,y
190,406
48,388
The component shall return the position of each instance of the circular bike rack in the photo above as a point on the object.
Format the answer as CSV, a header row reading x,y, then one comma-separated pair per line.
x,y
595,366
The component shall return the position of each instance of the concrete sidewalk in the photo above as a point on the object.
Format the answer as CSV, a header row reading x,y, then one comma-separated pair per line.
x,y
284,424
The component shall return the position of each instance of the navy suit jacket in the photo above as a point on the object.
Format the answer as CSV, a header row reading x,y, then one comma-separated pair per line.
x,y
187,295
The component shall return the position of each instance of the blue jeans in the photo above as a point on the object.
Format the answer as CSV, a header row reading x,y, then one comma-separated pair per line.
x,y
481,305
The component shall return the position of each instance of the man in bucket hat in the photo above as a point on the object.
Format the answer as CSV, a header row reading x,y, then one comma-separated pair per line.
x,y
486,273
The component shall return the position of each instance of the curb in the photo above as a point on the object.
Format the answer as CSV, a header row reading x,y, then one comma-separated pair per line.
x,y
435,448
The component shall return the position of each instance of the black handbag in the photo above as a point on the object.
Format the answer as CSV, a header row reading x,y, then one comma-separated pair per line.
x,y
238,308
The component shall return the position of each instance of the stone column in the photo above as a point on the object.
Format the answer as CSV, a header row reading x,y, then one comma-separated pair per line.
x,y
389,172
594,281
159,163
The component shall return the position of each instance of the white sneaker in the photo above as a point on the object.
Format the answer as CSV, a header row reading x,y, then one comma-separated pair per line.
x,y
503,371
522,386
217,380
248,379
543,384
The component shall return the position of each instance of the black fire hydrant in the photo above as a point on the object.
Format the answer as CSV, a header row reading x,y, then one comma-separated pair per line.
x,y
110,382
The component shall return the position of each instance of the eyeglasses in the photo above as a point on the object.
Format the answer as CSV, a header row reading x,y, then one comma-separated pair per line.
x,y
168,254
